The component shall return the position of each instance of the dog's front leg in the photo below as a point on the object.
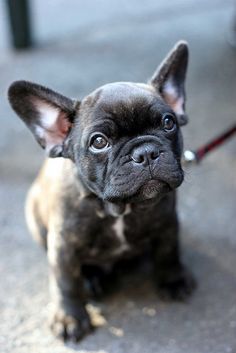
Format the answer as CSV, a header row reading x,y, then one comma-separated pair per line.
x,y
70,319
173,280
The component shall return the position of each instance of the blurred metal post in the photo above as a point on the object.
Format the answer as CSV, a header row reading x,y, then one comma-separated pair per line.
x,y
19,18
231,37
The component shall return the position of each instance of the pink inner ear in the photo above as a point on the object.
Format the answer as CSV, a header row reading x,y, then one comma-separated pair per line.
x,y
53,126
172,98
56,133
63,123
175,103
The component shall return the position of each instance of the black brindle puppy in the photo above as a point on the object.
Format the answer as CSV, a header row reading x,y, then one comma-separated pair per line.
x,y
112,195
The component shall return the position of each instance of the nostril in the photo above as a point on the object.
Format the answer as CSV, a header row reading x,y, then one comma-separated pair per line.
x,y
138,158
154,155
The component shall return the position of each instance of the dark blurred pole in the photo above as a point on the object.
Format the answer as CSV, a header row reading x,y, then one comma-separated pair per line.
x,y
234,26
19,18
232,32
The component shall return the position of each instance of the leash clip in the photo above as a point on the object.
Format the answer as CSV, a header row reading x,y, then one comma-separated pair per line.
x,y
189,157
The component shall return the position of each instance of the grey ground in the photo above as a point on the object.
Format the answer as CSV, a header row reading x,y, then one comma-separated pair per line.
x,y
79,48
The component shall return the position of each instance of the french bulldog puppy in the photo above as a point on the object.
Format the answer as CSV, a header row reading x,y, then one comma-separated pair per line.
x,y
111,193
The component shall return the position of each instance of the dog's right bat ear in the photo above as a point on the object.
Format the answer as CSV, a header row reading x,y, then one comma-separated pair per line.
x,y
169,80
48,114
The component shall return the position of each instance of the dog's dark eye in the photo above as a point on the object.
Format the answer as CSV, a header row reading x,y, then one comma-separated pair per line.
x,y
168,122
99,142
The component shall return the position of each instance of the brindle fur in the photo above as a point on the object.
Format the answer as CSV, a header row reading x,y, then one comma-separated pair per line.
x,y
80,207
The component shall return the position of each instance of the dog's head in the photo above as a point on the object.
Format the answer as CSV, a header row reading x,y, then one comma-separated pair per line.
x,y
124,138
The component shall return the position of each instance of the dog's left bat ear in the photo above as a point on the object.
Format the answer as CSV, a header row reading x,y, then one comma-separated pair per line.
x,y
169,80
48,114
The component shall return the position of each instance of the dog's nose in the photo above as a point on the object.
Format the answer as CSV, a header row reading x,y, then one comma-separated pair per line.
x,y
145,153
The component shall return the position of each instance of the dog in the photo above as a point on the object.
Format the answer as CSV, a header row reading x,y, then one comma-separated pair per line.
x,y
111,194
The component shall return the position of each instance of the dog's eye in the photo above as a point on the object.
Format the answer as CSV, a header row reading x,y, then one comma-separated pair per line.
x,y
168,122
99,142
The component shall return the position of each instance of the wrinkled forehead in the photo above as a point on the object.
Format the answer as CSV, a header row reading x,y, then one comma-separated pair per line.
x,y
118,97
124,90
128,105
125,95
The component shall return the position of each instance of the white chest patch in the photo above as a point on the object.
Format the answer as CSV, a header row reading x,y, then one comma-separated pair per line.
x,y
118,228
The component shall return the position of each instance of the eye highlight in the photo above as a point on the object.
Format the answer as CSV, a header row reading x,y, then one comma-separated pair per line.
x,y
98,142
168,122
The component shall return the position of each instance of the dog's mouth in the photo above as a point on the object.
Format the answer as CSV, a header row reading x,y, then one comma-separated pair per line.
x,y
152,191
149,190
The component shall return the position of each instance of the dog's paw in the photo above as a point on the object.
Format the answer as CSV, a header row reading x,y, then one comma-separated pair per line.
x,y
67,327
177,287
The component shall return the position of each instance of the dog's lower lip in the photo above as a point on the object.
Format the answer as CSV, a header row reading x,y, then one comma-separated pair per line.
x,y
153,188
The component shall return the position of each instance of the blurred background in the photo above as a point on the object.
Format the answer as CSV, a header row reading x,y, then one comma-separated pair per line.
x,y
76,47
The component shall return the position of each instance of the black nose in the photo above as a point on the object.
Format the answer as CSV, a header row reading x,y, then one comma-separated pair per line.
x,y
145,153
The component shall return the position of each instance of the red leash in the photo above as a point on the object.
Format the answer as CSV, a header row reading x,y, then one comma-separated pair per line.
x,y
191,157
